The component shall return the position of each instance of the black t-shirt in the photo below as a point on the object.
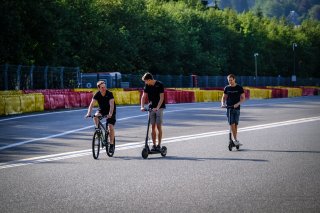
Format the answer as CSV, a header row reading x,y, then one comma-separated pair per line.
x,y
103,101
154,93
234,94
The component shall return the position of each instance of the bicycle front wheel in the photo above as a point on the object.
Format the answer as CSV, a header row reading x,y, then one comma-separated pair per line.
x,y
96,141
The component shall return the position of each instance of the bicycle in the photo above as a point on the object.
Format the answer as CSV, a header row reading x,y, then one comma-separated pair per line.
x,y
101,139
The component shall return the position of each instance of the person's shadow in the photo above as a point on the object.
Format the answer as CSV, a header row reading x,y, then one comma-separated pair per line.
x,y
281,151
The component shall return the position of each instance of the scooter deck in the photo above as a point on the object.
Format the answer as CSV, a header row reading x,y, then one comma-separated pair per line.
x,y
155,151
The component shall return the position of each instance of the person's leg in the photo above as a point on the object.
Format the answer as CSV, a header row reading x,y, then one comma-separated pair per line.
x,y
159,127
236,122
159,120
96,119
154,134
153,127
111,133
234,131
231,120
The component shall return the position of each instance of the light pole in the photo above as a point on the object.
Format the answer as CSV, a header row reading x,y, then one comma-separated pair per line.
x,y
256,64
294,45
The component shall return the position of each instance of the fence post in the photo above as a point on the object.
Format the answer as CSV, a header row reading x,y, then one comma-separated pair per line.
x,y
61,77
6,67
116,79
31,77
207,80
45,77
78,76
18,77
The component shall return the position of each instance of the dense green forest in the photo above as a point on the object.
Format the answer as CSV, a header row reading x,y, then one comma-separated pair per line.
x,y
160,36
294,10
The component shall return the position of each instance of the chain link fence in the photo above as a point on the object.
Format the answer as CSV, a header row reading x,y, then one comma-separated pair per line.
x,y
19,77
178,81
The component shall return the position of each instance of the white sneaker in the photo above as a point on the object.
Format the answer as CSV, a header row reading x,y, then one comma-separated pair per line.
x,y
237,143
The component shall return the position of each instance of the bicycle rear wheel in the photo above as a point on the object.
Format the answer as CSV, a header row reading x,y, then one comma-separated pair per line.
x,y
96,141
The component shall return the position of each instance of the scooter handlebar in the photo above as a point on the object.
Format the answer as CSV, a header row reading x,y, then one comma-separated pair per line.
x,y
148,109
227,107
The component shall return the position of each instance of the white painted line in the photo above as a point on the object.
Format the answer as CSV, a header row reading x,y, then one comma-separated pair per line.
x,y
80,129
136,106
81,153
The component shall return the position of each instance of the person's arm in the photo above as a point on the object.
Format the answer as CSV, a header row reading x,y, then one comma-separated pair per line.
x,y
223,100
160,101
90,107
242,99
142,102
111,103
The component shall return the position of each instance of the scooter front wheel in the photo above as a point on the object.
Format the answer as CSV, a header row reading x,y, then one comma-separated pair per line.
x,y
144,153
163,151
230,147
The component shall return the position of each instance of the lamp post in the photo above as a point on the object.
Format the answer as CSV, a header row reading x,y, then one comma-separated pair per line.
x,y
294,45
256,64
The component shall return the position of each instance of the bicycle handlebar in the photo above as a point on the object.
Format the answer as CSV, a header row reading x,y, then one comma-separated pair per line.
x,y
99,116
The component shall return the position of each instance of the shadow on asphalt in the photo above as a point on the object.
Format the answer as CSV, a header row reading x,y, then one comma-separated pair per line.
x,y
282,151
188,158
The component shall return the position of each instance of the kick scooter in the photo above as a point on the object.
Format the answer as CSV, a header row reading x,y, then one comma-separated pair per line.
x,y
231,144
146,150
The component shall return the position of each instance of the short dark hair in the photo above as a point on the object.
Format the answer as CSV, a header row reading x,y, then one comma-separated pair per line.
x,y
231,76
147,76
99,83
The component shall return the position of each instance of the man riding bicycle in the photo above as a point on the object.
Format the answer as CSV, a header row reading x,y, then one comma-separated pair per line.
x,y
107,108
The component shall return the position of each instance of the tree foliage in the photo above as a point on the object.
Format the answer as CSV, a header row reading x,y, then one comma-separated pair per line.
x,y
164,37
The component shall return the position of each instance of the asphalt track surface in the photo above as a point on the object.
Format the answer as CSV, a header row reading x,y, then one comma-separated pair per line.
x,y
46,163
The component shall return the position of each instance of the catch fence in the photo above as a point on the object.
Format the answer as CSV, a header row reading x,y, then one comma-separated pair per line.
x,y
20,77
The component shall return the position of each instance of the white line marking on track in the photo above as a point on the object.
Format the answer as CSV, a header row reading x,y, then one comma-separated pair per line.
x,y
81,153
80,129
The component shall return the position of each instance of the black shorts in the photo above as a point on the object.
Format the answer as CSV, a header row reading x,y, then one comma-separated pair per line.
x,y
234,116
111,120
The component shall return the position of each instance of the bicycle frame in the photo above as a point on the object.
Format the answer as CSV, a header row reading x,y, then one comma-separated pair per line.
x,y
101,126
